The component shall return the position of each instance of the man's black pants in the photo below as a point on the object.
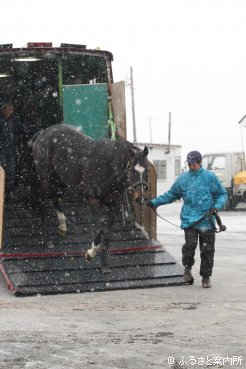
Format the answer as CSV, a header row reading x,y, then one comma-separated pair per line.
x,y
206,242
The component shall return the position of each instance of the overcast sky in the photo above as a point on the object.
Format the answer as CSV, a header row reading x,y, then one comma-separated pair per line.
x,y
188,58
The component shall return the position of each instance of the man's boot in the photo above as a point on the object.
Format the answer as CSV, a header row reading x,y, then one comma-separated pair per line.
x,y
188,277
206,283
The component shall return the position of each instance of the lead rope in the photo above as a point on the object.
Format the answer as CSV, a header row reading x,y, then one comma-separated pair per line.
x,y
222,227
168,221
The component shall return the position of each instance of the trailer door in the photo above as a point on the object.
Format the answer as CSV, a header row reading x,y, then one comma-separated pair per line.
x,y
86,107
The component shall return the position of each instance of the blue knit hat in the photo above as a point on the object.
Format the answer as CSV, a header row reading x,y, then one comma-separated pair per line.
x,y
194,157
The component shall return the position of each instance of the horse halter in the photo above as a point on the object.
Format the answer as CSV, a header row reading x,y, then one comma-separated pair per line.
x,y
136,184
140,183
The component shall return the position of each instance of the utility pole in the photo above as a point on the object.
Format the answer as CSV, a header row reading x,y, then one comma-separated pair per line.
x,y
242,123
133,107
169,133
169,129
150,129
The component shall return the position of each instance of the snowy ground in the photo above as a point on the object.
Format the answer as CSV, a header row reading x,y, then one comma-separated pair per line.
x,y
137,329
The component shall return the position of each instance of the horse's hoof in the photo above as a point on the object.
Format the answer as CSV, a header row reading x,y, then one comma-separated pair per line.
x,y
61,232
88,257
105,269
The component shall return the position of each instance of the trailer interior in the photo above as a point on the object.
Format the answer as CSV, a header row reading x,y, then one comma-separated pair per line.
x,y
70,84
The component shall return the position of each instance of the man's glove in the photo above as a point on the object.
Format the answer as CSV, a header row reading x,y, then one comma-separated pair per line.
x,y
214,211
150,204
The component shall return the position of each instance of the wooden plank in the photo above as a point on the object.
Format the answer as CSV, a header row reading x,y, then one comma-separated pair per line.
x,y
117,92
144,214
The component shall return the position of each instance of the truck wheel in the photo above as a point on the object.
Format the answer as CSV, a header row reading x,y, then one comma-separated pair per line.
x,y
231,204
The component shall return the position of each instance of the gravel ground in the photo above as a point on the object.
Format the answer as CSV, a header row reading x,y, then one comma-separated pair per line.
x,y
172,327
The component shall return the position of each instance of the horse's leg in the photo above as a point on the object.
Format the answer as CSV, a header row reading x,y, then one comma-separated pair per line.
x,y
44,197
95,246
55,191
62,228
43,176
98,246
106,224
102,239
44,215
126,203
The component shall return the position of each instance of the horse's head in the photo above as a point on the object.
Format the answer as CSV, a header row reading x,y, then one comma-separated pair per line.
x,y
138,175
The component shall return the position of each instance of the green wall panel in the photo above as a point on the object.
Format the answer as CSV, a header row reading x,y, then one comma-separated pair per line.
x,y
86,107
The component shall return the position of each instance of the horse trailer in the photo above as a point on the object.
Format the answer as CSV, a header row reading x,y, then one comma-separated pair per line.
x,y
70,84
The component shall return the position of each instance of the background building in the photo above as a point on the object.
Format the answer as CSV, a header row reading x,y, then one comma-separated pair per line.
x,y
167,160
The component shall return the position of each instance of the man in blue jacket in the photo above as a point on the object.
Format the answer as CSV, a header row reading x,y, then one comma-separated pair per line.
x,y
202,193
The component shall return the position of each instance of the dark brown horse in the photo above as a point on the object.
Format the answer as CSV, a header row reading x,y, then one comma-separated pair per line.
x,y
102,170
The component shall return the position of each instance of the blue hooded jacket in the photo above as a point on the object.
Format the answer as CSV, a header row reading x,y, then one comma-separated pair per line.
x,y
200,190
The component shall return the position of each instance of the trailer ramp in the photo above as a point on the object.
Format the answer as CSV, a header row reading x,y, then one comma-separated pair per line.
x,y
30,267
